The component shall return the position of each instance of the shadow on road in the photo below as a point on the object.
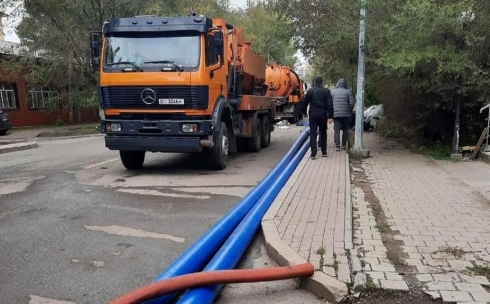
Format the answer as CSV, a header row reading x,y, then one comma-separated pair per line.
x,y
192,163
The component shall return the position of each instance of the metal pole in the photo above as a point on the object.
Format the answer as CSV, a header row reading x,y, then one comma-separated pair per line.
x,y
360,80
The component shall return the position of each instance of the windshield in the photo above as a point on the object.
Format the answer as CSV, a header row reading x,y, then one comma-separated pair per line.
x,y
151,50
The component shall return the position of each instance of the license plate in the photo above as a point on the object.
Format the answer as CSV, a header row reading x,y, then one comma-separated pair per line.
x,y
171,101
5,119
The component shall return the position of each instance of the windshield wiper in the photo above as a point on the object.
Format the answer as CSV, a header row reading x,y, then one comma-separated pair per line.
x,y
125,62
167,61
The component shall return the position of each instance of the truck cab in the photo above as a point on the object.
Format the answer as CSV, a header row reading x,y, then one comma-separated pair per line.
x,y
178,84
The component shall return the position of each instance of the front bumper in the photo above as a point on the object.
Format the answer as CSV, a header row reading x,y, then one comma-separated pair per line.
x,y
5,125
157,136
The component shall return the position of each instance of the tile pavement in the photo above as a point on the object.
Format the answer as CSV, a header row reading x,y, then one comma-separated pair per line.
x,y
313,216
443,223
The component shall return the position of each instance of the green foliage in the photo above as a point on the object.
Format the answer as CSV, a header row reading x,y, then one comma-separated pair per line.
x,y
422,57
59,32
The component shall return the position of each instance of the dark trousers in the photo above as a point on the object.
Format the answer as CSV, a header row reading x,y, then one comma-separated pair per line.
x,y
341,124
318,124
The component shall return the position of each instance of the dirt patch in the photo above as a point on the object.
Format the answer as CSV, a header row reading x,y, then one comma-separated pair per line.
x,y
380,296
394,249
86,130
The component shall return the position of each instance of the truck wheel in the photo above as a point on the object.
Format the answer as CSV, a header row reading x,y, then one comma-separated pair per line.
x,y
132,160
265,138
254,143
219,151
295,117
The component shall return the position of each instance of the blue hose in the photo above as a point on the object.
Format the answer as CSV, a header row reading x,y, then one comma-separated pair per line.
x,y
203,249
230,254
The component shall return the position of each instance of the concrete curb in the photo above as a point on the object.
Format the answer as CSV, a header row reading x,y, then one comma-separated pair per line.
x,y
348,242
319,284
18,147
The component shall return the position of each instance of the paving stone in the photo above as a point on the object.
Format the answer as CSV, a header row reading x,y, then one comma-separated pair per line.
x,y
376,275
356,264
438,286
329,271
481,296
456,296
394,285
446,277
434,295
459,265
393,276
360,281
476,280
469,287
384,268
425,278
343,273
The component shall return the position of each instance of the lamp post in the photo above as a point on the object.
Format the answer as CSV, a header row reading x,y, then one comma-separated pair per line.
x,y
359,150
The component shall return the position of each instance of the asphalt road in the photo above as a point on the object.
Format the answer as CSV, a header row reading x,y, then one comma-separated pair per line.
x,y
76,227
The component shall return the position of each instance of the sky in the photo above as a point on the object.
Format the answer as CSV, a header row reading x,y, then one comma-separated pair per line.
x,y
10,24
10,35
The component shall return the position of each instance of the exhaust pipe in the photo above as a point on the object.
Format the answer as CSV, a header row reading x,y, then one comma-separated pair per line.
x,y
206,143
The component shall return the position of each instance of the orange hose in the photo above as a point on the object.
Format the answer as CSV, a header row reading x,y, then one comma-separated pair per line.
x,y
199,279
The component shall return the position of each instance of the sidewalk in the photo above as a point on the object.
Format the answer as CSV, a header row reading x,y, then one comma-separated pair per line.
x,y
418,227
310,220
23,134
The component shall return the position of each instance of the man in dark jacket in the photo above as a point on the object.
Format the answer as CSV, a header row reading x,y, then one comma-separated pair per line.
x,y
343,103
321,109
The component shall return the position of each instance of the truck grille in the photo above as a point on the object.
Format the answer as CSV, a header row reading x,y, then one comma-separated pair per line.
x,y
125,97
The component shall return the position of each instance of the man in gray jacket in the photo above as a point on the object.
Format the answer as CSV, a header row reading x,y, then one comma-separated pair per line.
x,y
343,103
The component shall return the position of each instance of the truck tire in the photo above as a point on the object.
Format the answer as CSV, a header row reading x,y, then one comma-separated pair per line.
x,y
254,143
219,151
132,160
265,136
295,117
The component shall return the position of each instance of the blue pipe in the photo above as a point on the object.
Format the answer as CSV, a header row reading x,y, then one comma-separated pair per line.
x,y
203,249
230,254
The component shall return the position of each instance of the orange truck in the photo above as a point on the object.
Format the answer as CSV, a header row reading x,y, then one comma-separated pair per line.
x,y
287,90
186,84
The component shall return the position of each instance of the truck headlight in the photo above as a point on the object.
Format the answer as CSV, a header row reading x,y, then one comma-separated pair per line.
x,y
190,128
113,127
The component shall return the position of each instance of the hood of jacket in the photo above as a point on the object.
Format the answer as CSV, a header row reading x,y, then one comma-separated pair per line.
x,y
341,84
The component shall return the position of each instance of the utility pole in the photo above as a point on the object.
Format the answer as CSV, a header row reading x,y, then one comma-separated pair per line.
x,y
359,150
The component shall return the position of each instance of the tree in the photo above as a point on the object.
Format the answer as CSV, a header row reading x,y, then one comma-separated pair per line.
x,y
55,49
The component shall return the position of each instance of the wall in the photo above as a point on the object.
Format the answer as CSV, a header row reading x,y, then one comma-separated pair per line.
x,y
23,116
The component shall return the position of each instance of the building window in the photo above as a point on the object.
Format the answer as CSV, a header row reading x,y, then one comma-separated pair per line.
x,y
42,98
7,96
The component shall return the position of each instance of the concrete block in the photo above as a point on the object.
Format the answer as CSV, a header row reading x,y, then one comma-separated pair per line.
x,y
363,153
457,156
18,147
455,296
394,285
356,264
360,281
326,287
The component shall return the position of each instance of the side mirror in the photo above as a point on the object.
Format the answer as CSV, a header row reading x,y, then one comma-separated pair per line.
x,y
218,43
95,38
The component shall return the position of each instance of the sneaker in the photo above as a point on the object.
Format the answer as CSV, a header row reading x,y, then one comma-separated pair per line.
x,y
344,147
313,157
337,148
324,155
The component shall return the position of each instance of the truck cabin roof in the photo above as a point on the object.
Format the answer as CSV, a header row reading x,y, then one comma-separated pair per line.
x,y
158,24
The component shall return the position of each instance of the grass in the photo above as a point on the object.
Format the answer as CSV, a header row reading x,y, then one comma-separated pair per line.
x,y
382,228
321,252
435,150
480,270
